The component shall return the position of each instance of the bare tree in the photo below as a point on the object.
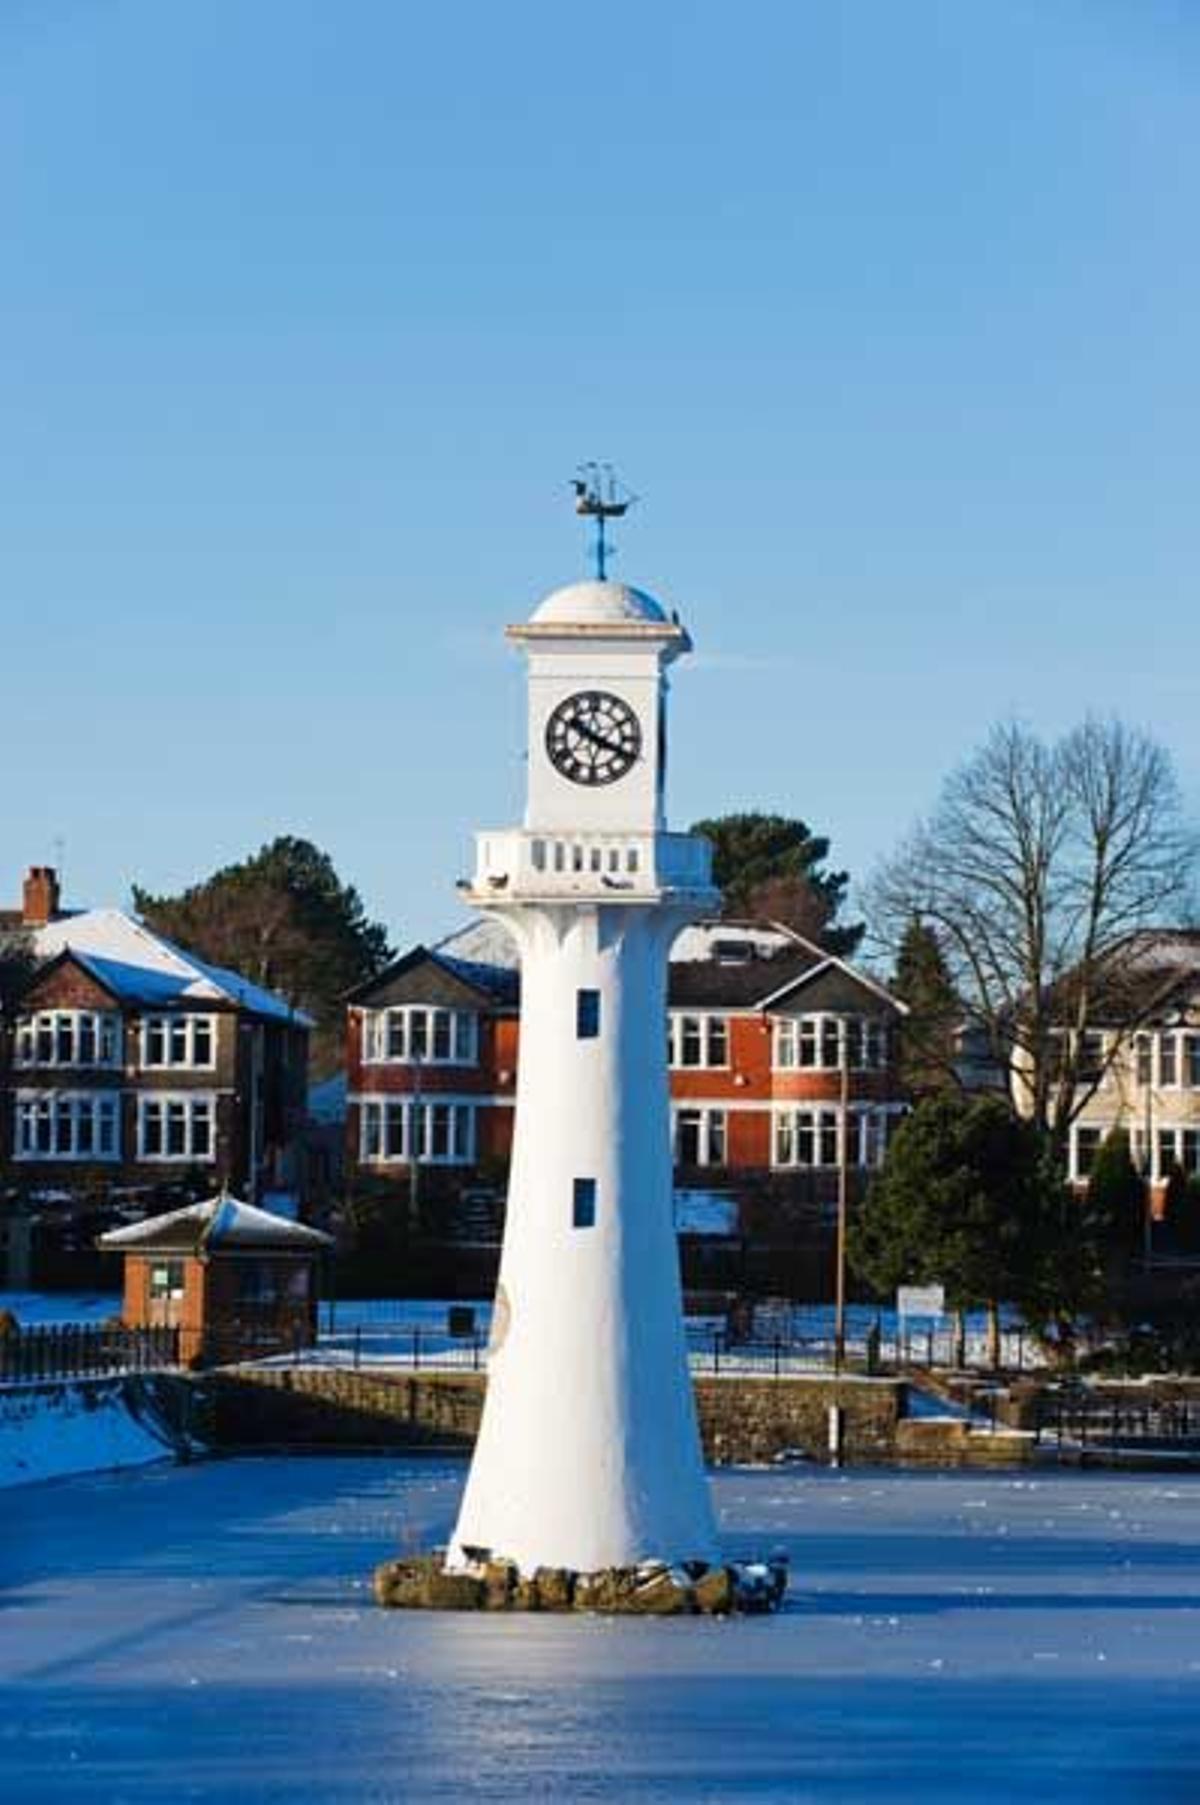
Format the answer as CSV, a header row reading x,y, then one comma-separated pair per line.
x,y
1037,871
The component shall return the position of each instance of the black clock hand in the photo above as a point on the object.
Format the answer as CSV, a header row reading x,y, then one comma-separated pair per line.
x,y
597,739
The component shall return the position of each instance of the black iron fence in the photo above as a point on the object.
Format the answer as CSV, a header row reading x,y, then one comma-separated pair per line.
x,y
77,1351
1079,1419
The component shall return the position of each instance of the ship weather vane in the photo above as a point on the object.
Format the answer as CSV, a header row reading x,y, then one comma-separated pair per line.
x,y
601,496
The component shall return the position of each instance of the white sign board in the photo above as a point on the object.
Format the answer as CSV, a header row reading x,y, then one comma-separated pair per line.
x,y
921,1300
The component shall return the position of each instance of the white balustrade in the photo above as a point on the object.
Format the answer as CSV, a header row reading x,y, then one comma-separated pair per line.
x,y
545,864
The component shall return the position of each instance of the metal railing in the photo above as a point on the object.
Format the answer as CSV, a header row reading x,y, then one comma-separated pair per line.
x,y
76,1351
1078,1419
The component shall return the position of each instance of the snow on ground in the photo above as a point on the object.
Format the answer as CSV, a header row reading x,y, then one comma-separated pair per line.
x,y
49,1431
206,1632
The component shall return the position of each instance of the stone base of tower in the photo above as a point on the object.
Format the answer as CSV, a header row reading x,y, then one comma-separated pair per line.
x,y
652,1589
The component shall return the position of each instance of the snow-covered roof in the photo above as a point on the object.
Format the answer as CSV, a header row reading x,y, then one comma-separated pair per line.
x,y
480,942
138,965
224,1222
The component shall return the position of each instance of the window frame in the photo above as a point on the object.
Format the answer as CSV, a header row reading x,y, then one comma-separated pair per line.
x,y
63,1113
407,1034
707,1030
102,1026
179,1114
172,1029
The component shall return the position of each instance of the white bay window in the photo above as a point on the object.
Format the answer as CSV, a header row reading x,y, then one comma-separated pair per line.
x,y
69,1037
63,1125
421,1035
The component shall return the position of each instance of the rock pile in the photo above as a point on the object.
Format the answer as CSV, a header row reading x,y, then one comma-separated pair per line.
x,y
653,1589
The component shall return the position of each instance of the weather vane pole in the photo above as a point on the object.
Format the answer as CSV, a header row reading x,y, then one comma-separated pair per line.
x,y
600,496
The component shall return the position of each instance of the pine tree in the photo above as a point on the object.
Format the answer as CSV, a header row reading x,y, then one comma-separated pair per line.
x,y
963,1201
772,867
929,1032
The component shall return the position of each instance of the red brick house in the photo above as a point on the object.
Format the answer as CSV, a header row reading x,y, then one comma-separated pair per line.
x,y
760,1026
131,1064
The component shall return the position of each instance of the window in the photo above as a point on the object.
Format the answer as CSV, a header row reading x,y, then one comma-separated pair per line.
x,y
77,1037
587,1014
1091,1055
65,1126
399,1129
1168,1059
419,1034
176,1128
1166,1151
166,1281
1191,1060
178,1041
1087,1145
583,1206
806,1137
815,1042
700,1137
1189,1155
1144,1051
698,1040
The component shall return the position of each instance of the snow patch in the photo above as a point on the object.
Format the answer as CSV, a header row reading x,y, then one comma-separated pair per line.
x,y
54,1432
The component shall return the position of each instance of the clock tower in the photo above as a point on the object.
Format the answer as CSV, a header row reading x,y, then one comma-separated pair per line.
x,y
588,1454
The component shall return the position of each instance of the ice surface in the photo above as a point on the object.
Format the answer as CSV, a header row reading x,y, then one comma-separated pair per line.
x,y
206,1633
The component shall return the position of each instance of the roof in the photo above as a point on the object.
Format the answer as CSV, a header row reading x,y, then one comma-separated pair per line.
x,y
715,984
137,965
497,984
714,965
597,604
1145,975
223,1223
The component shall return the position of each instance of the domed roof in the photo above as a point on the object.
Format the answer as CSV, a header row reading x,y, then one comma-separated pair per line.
x,y
596,604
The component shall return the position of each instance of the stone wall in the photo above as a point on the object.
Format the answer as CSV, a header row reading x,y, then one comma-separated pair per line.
x,y
751,1420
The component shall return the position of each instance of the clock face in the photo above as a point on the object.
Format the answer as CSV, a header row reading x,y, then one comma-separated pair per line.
x,y
593,737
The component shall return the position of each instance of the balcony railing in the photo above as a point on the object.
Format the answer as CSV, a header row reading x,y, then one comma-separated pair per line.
x,y
564,864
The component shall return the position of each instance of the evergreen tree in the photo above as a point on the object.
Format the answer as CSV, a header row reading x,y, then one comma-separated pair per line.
x,y
1116,1203
772,867
285,920
928,1034
962,1202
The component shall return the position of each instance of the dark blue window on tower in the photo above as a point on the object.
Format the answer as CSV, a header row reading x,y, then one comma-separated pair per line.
x,y
587,1014
584,1211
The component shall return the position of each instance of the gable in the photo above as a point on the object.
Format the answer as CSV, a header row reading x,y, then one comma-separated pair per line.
x,y
837,991
65,983
420,977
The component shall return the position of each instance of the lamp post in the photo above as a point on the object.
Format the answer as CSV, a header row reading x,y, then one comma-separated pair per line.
x,y
416,1131
839,1312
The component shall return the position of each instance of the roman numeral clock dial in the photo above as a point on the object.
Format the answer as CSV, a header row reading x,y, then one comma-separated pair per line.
x,y
593,737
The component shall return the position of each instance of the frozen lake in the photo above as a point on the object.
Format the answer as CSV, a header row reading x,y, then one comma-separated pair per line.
x,y
206,1633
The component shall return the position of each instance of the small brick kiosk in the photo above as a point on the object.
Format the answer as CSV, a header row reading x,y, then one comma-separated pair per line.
x,y
236,1281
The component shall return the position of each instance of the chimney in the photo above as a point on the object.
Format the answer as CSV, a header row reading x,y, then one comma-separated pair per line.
x,y
40,900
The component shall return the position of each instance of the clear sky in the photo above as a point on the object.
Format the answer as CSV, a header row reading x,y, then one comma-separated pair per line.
x,y
890,313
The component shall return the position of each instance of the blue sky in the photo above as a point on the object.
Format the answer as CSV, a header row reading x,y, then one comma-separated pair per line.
x,y
890,313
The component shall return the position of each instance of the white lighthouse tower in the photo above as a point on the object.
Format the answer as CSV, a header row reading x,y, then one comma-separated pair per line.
x,y
588,1455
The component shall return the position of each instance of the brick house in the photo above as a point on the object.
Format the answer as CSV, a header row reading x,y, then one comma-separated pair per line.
x,y
131,1064
764,1031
